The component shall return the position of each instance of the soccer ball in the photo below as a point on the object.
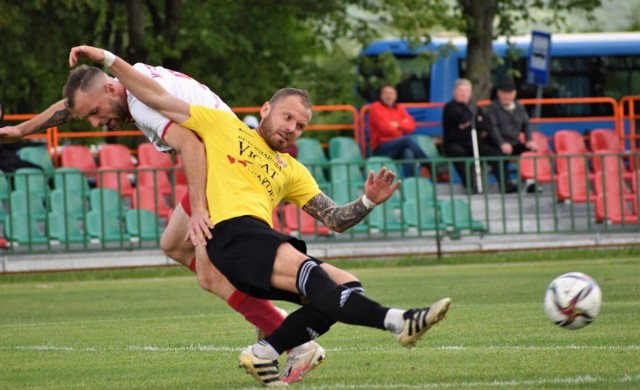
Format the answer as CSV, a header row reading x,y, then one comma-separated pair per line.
x,y
572,300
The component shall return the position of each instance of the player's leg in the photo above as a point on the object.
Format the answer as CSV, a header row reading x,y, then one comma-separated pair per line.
x,y
347,304
172,241
258,312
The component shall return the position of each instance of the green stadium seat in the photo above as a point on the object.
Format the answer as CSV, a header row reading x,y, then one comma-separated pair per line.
x,y
5,188
384,218
456,213
108,200
23,229
68,202
345,148
37,155
71,179
65,229
414,188
347,181
311,155
32,181
24,203
105,226
420,214
143,224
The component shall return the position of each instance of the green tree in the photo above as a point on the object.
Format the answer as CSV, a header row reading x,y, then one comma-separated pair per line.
x,y
488,19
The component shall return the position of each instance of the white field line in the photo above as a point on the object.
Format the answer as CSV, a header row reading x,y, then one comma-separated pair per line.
x,y
213,348
578,380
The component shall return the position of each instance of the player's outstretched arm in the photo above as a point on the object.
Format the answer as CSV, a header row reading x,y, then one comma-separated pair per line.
x,y
144,88
55,115
377,189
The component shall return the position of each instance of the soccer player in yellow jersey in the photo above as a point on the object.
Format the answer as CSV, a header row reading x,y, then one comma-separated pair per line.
x,y
247,177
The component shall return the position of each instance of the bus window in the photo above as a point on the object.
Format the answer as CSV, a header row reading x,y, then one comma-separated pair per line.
x,y
414,79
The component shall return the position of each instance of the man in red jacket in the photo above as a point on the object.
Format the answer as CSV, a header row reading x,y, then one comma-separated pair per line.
x,y
389,127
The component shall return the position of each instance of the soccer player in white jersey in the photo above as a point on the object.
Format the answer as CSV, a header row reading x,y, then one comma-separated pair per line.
x,y
104,102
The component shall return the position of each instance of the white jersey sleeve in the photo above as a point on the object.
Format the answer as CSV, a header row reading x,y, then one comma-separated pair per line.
x,y
153,124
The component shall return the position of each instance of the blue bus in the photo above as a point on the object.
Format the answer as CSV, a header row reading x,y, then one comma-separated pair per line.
x,y
582,65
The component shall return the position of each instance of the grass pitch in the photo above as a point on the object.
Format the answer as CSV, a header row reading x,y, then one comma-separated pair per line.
x,y
155,329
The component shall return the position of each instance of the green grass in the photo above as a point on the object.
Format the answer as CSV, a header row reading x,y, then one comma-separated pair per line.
x,y
155,329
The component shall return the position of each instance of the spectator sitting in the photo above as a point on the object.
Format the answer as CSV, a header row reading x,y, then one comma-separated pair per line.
x,y
508,119
389,126
459,117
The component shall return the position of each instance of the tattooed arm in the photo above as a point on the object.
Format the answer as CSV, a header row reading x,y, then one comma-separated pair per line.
x,y
336,218
378,188
56,114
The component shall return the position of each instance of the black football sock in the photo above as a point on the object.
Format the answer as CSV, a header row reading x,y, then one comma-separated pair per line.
x,y
342,303
304,324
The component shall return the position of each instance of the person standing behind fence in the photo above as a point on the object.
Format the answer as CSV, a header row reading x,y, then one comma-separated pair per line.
x,y
389,128
459,116
508,119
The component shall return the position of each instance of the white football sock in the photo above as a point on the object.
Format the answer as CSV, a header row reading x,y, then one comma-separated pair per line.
x,y
264,350
394,320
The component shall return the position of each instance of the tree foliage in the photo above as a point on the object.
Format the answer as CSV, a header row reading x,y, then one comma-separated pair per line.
x,y
243,49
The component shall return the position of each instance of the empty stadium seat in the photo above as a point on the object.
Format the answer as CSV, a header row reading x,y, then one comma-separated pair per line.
x,y
32,181
65,229
420,213
615,209
107,200
37,155
569,142
79,156
147,198
115,179
25,203
456,213
71,179
68,203
150,177
605,140
311,155
347,181
345,148
105,226
149,156
115,156
143,224
22,228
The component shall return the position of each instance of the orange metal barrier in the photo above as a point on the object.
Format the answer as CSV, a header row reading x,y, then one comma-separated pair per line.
x,y
624,112
47,135
629,115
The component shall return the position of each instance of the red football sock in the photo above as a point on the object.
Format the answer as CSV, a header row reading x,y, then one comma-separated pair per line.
x,y
259,312
192,265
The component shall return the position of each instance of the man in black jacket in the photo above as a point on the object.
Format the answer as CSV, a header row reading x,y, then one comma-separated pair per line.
x,y
458,119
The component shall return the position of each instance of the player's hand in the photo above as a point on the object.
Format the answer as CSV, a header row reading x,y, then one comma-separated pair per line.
x,y
89,52
10,134
198,228
380,187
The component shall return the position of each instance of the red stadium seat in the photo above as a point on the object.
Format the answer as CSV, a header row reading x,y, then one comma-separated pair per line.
x,y
115,156
149,156
147,198
79,156
605,140
615,209
154,178
115,179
